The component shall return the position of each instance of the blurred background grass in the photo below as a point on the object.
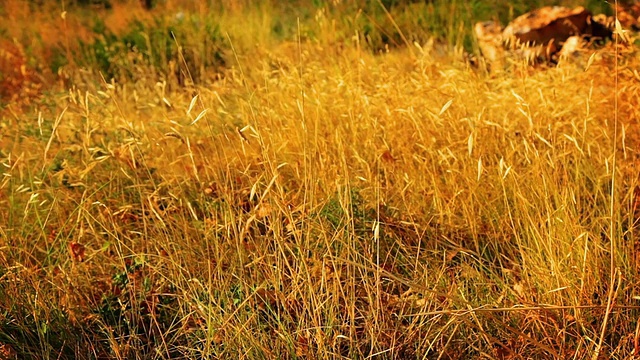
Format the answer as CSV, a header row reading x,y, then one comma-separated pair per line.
x,y
189,40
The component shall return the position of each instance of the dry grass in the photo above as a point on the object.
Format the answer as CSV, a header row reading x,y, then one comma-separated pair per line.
x,y
323,202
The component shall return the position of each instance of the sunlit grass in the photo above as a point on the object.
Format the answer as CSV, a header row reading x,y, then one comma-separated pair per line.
x,y
317,200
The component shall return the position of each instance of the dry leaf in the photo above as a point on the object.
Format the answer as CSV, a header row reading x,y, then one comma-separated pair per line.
x,y
7,352
266,299
302,346
52,236
249,245
388,157
519,289
452,254
211,190
77,251
264,210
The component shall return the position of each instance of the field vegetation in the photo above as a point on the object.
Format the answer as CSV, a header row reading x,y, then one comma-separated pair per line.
x,y
311,179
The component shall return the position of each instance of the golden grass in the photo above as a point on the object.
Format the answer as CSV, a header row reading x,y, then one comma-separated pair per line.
x,y
323,202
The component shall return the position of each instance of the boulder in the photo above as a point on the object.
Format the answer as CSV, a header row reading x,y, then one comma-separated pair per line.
x,y
546,24
571,47
601,26
543,35
489,35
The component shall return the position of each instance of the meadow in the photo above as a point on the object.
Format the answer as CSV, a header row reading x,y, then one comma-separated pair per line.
x,y
311,180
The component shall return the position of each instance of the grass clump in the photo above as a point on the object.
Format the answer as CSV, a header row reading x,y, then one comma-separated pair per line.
x,y
181,48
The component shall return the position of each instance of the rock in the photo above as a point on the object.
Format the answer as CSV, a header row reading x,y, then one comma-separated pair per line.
x,y
607,21
571,47
532,54
601,26
544,35
543,25
489,35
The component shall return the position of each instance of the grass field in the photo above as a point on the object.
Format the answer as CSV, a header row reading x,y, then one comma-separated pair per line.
x,y
243,180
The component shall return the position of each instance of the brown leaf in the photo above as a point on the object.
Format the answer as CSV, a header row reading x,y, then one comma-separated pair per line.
x,y
266,299
302,346
264,210
388,157
7,352
518,288
77,251
249,245
211,190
